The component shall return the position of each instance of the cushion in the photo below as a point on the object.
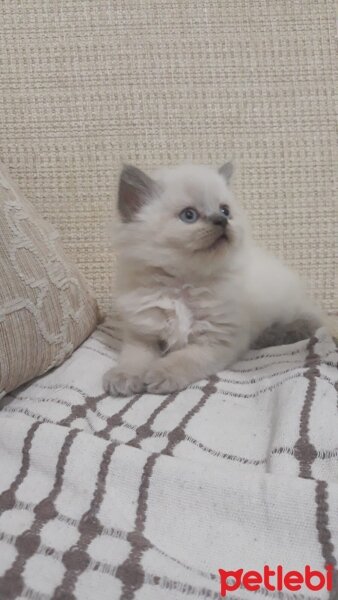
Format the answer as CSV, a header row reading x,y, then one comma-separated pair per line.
x,y
147,497
46,309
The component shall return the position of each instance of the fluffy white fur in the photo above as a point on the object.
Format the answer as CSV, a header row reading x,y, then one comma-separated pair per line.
x,y
192,297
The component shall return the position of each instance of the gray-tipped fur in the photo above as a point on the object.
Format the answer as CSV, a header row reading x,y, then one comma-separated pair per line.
x,y
226,171
135,189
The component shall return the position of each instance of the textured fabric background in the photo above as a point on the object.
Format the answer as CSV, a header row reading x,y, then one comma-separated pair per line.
x,y
88,84
46,310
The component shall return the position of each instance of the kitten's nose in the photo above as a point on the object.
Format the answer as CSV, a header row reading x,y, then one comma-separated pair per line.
x,y
218,219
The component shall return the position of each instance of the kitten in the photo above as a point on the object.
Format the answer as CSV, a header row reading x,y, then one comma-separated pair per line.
x,y
194,290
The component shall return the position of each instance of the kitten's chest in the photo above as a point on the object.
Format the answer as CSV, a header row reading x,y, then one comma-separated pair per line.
x,y
190,314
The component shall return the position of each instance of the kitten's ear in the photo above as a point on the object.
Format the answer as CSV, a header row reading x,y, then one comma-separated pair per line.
x,y
135,190
226,171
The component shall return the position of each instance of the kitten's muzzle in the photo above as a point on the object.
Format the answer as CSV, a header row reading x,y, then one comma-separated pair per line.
x,y
218,219
221,221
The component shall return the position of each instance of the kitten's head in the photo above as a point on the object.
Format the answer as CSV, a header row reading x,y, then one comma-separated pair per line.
x,y
182,219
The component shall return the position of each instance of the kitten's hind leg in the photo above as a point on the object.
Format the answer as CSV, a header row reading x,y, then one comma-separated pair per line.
x,y
127,377
287,333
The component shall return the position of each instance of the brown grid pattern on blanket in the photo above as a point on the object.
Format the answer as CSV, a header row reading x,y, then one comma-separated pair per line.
x,y
134,450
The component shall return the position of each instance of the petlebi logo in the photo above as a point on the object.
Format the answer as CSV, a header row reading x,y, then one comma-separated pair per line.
x,y
276,579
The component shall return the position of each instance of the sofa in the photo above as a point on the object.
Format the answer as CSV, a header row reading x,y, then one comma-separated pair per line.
x,y
162,497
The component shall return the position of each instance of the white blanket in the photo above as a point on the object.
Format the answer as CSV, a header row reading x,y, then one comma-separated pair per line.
x,y
148,497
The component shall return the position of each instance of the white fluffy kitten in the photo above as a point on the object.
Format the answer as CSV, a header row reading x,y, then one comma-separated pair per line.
x,y
194,290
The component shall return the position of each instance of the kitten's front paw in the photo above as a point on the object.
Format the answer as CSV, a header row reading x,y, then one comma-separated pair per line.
x,y
161,381
117,382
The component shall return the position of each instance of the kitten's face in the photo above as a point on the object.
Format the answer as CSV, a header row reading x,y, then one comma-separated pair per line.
x,y
182,219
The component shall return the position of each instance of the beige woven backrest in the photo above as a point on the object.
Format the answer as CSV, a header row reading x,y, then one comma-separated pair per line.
x,y
87,85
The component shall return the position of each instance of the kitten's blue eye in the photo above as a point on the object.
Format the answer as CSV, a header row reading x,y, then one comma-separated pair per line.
x,y
225,210
189,215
